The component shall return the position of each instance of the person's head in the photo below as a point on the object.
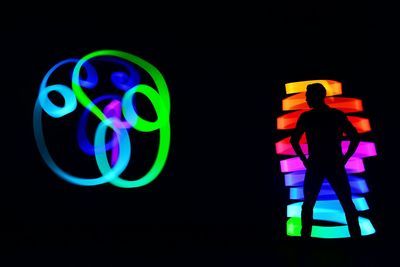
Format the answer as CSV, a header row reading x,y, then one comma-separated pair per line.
x,y
315,95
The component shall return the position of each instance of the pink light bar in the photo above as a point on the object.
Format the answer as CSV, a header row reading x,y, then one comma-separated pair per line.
x,y
354,165
364,149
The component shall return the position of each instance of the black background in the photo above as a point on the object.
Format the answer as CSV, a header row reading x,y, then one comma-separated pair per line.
x,y
220,198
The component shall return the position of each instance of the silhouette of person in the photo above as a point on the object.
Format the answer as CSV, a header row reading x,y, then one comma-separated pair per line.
x,y
324,128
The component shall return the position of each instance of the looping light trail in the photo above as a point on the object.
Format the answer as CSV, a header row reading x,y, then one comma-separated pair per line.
x,y
327,207
120,115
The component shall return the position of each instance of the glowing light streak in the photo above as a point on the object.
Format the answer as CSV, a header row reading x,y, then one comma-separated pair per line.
x,y
119,115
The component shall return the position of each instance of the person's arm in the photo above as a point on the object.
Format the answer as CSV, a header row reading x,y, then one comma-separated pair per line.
x,y
354,138
295,140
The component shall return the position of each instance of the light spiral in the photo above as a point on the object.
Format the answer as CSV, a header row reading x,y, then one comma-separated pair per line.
x,y
119,115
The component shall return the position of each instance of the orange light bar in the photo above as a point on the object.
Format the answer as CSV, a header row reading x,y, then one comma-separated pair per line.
x,y
345,104
332,87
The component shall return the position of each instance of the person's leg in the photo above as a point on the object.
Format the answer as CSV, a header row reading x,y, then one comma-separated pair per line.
x,y
312,184
339,181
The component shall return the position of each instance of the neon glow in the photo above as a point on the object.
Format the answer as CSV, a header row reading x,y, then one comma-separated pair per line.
x,y
327,207
119,115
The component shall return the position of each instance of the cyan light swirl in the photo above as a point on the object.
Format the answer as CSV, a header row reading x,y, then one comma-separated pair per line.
x,y
119,115
327,207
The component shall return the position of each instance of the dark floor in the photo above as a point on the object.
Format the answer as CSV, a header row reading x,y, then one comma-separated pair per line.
x,y
169,246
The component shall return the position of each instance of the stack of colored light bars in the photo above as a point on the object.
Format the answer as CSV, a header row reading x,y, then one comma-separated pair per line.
x,y
327,207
